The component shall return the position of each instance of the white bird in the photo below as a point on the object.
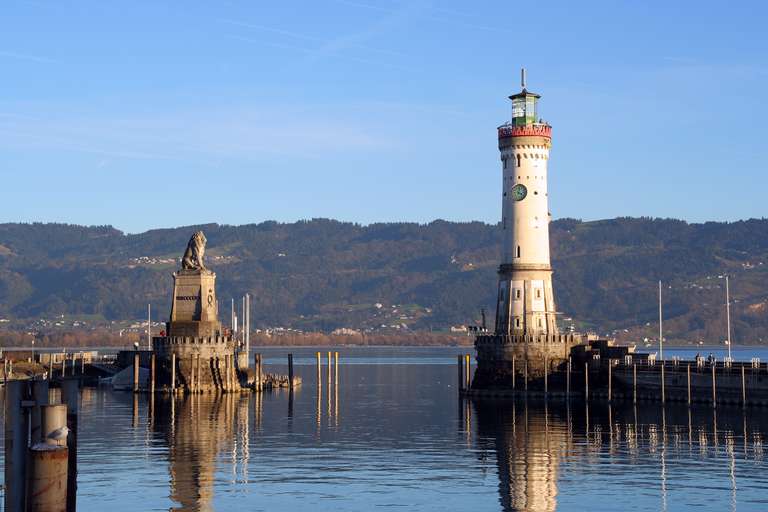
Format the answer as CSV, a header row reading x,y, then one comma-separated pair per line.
x,y
59,435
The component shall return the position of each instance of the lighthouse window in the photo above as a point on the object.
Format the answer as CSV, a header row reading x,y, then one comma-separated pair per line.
x,y
539,322
518,160
518,251
517,294
538,293
517,322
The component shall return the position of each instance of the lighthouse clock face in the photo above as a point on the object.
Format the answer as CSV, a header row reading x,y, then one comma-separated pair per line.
x,y
519,192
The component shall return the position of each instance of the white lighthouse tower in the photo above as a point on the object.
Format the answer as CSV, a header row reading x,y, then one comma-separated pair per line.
x,y
526,302
525,341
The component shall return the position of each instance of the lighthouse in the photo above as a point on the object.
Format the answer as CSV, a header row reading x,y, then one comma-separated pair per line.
x,y
526,301
526,346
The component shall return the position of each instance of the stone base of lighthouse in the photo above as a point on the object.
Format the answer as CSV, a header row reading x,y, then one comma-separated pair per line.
x,y
509,361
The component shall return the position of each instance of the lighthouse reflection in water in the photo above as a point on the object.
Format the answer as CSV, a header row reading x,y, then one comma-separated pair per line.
x,y
393,433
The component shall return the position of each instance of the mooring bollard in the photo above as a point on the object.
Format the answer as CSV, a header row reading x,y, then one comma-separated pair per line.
x,y
173,372
152,373
16,431
460,368
46,479
290,372
70,395
136,371
688,375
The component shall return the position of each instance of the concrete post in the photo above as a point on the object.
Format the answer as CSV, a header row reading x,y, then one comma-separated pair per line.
x,y
70,395
46,485
53,418
16,430
40,396
136,371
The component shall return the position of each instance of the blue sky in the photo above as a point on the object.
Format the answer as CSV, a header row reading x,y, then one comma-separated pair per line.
x,y
152,114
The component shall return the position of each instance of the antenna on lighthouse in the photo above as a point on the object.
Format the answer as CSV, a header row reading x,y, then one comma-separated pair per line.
x,y
522,77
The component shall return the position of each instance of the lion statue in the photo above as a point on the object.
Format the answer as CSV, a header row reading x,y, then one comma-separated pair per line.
x,y
193,256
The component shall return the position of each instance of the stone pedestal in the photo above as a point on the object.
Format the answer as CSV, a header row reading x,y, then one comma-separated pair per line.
x,y
205,355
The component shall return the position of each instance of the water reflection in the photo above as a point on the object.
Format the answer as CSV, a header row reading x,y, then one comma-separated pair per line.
x,y
199,429
539,445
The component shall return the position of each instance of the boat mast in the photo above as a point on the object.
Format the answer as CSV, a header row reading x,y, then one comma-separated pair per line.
x,y
661,329
728,314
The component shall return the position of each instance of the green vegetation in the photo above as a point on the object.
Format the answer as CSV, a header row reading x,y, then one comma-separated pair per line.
x,y
320,275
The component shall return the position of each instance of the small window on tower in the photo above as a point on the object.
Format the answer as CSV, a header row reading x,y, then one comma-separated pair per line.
x,y
539,322
538,293
518,251
518,160
517,322
517,294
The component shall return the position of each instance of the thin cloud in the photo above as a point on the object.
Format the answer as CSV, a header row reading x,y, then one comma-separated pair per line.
x,y
23,56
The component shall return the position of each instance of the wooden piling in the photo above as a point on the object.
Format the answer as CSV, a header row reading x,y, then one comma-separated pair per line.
x,y
546,374
173,372
257,370
136,371
319,371
40,396
714,387
336,377
513,373
290,372
610,381
46,479
634,383
586,381
198,372
460,367
152,373
688,375
568,378
468,372
329,369
70,395
191,383
743,388
663,382
16,431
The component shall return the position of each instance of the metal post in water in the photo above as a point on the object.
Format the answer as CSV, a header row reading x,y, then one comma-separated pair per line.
x,y
70,395
546,374
714,387
198,372
688,375
568,379
513,373
136,371
663,390
336,373
329,368
46,479
16,431
319,371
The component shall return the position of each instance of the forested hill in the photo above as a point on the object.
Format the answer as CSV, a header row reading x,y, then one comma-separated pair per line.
x,y
322,274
